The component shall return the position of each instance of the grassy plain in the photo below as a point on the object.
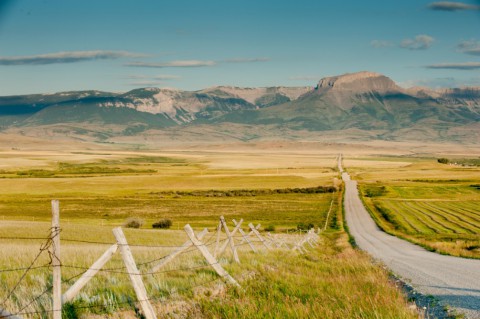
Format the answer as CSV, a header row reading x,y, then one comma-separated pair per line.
x,y
431,204
99,190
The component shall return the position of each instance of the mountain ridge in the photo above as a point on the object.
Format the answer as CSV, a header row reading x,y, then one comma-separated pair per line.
x,y
367,101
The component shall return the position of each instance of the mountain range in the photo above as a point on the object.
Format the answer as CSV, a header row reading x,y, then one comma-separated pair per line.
x,y
358,105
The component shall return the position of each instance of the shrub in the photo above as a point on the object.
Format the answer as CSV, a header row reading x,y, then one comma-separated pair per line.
x,y
443,160
133,223
269,228
163,223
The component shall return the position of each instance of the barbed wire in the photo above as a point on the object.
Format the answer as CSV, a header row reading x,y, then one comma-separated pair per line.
x,y
22,312
211,240
44,247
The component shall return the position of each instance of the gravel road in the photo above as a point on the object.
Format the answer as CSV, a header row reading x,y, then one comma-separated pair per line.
x,y
453,281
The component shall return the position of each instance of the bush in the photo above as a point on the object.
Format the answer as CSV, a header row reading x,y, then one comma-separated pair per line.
x,y
163,223
305,226
133,223
443,160
269,228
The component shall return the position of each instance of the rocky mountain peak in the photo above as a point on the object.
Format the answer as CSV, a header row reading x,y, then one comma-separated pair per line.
x,y
358,82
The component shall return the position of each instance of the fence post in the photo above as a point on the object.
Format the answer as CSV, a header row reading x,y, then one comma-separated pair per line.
x,y
255,231
234,231
177,252
270,237
92,271
134,274
210,259
328,215
250,233
6,314
230,240
56,264
245,238
219,230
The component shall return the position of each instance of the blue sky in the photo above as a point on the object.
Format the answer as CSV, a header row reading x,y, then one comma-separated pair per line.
x,y
49,46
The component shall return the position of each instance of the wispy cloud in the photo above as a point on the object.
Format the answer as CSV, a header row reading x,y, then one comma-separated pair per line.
x,y
67,57
380,44
304,78
456,66
471,47
246,60
419,42
151,80
452,6
193,63
173,64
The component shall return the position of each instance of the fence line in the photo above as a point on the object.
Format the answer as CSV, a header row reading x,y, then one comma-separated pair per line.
x,y
194,244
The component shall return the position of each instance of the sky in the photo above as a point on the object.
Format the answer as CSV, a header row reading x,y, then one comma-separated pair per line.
x,y
49,46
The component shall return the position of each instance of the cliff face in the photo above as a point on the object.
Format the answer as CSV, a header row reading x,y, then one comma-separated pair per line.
x,y
363,101
360,82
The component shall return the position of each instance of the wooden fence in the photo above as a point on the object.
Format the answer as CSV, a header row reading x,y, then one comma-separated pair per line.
x,y
232,241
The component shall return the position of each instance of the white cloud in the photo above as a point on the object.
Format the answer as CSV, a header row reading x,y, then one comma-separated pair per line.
x,y
420,42
455,66
471,47
247,60
452,6
173,64
193,63
67,57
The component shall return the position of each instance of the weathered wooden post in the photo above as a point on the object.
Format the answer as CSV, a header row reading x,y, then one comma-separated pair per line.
x,y
56,264
245,238
89,274
134,274
230,239
255,231
217,244
177,252
6,314
210,259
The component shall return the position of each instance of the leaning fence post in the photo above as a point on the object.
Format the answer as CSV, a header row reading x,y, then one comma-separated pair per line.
x,y
56,264
255,231
92,271
177,252
270,237
134,274
237,227
219,231
245,238
208,256
229,235
6,314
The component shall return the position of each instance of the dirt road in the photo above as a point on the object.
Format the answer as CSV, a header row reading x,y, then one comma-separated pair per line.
x,y
453,281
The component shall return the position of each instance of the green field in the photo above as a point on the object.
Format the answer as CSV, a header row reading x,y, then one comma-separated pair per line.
x,y
431,204
99,192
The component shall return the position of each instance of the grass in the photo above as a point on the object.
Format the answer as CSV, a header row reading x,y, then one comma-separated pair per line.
x,y
275,284
332,280
431,204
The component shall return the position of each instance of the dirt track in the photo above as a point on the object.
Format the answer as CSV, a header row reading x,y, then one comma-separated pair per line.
x,y
453,281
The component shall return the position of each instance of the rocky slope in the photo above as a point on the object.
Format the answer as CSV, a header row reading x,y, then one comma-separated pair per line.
x,y
361,102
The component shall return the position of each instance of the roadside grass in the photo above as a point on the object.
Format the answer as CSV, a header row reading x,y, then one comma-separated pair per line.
x,y
434,205
331,281
345,285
